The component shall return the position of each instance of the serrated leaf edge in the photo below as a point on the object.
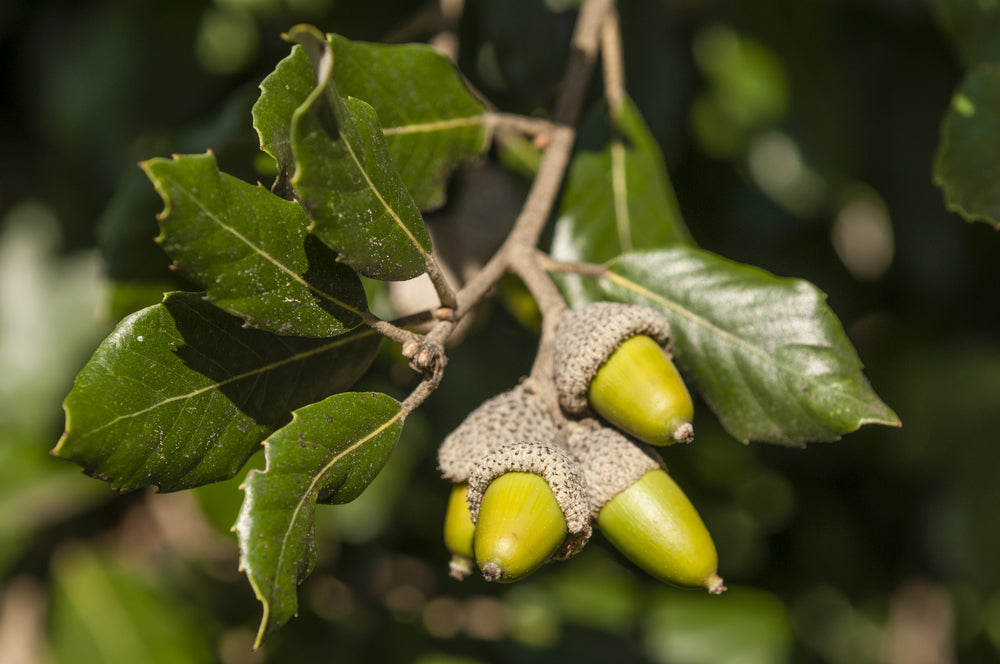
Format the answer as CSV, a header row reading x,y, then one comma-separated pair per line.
x,y
265,602
214,386
164,215
324,81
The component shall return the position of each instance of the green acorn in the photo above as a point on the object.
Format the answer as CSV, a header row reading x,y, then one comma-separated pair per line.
x,y
459,531
507,418
642,511
519,528
529,504
612,358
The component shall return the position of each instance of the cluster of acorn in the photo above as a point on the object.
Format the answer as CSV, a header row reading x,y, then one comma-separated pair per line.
x,y
527,488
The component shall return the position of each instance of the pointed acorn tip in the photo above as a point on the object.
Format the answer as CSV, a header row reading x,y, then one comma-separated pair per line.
x,y
684,433
492,572
714,585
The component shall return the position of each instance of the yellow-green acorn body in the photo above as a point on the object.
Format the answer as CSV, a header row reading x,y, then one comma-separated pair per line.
x,y
507,418
529,504
459,531
641,510
612,359
520,527
639,390
655,526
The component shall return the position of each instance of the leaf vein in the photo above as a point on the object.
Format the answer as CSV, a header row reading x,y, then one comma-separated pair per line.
x,y
313,489
619,188
265,255
702,322
258,371
439,125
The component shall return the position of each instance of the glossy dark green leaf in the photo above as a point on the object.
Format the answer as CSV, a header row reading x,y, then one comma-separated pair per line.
x,y
281,93
966,169
616,200
181,394
431,122
766,353
973,26
251,251
345,179
329,453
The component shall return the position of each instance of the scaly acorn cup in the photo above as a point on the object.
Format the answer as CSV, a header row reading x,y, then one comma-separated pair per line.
x,y
529,503
612,357
642,511
510,417
459,531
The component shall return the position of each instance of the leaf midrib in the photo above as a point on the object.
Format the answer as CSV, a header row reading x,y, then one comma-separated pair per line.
x,y
263,254
313,488
619,189
378,194
214,386
322,91
437,125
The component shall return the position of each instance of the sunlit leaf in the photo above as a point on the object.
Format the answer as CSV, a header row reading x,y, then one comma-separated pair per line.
x,y
431,122
766,353
616,200
181,394
965,169
251,250
329,453
346,181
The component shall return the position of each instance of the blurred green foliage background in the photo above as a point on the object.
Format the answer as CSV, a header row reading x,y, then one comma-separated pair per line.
x,y
800,138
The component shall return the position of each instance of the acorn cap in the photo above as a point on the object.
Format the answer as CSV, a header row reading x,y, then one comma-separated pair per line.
x,y
586,338
509,417
610,461
557,467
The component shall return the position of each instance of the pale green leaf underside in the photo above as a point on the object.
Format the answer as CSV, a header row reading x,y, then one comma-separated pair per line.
x,y
252,251
329,453
181,394
616,200
345,179
766,353
966,168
